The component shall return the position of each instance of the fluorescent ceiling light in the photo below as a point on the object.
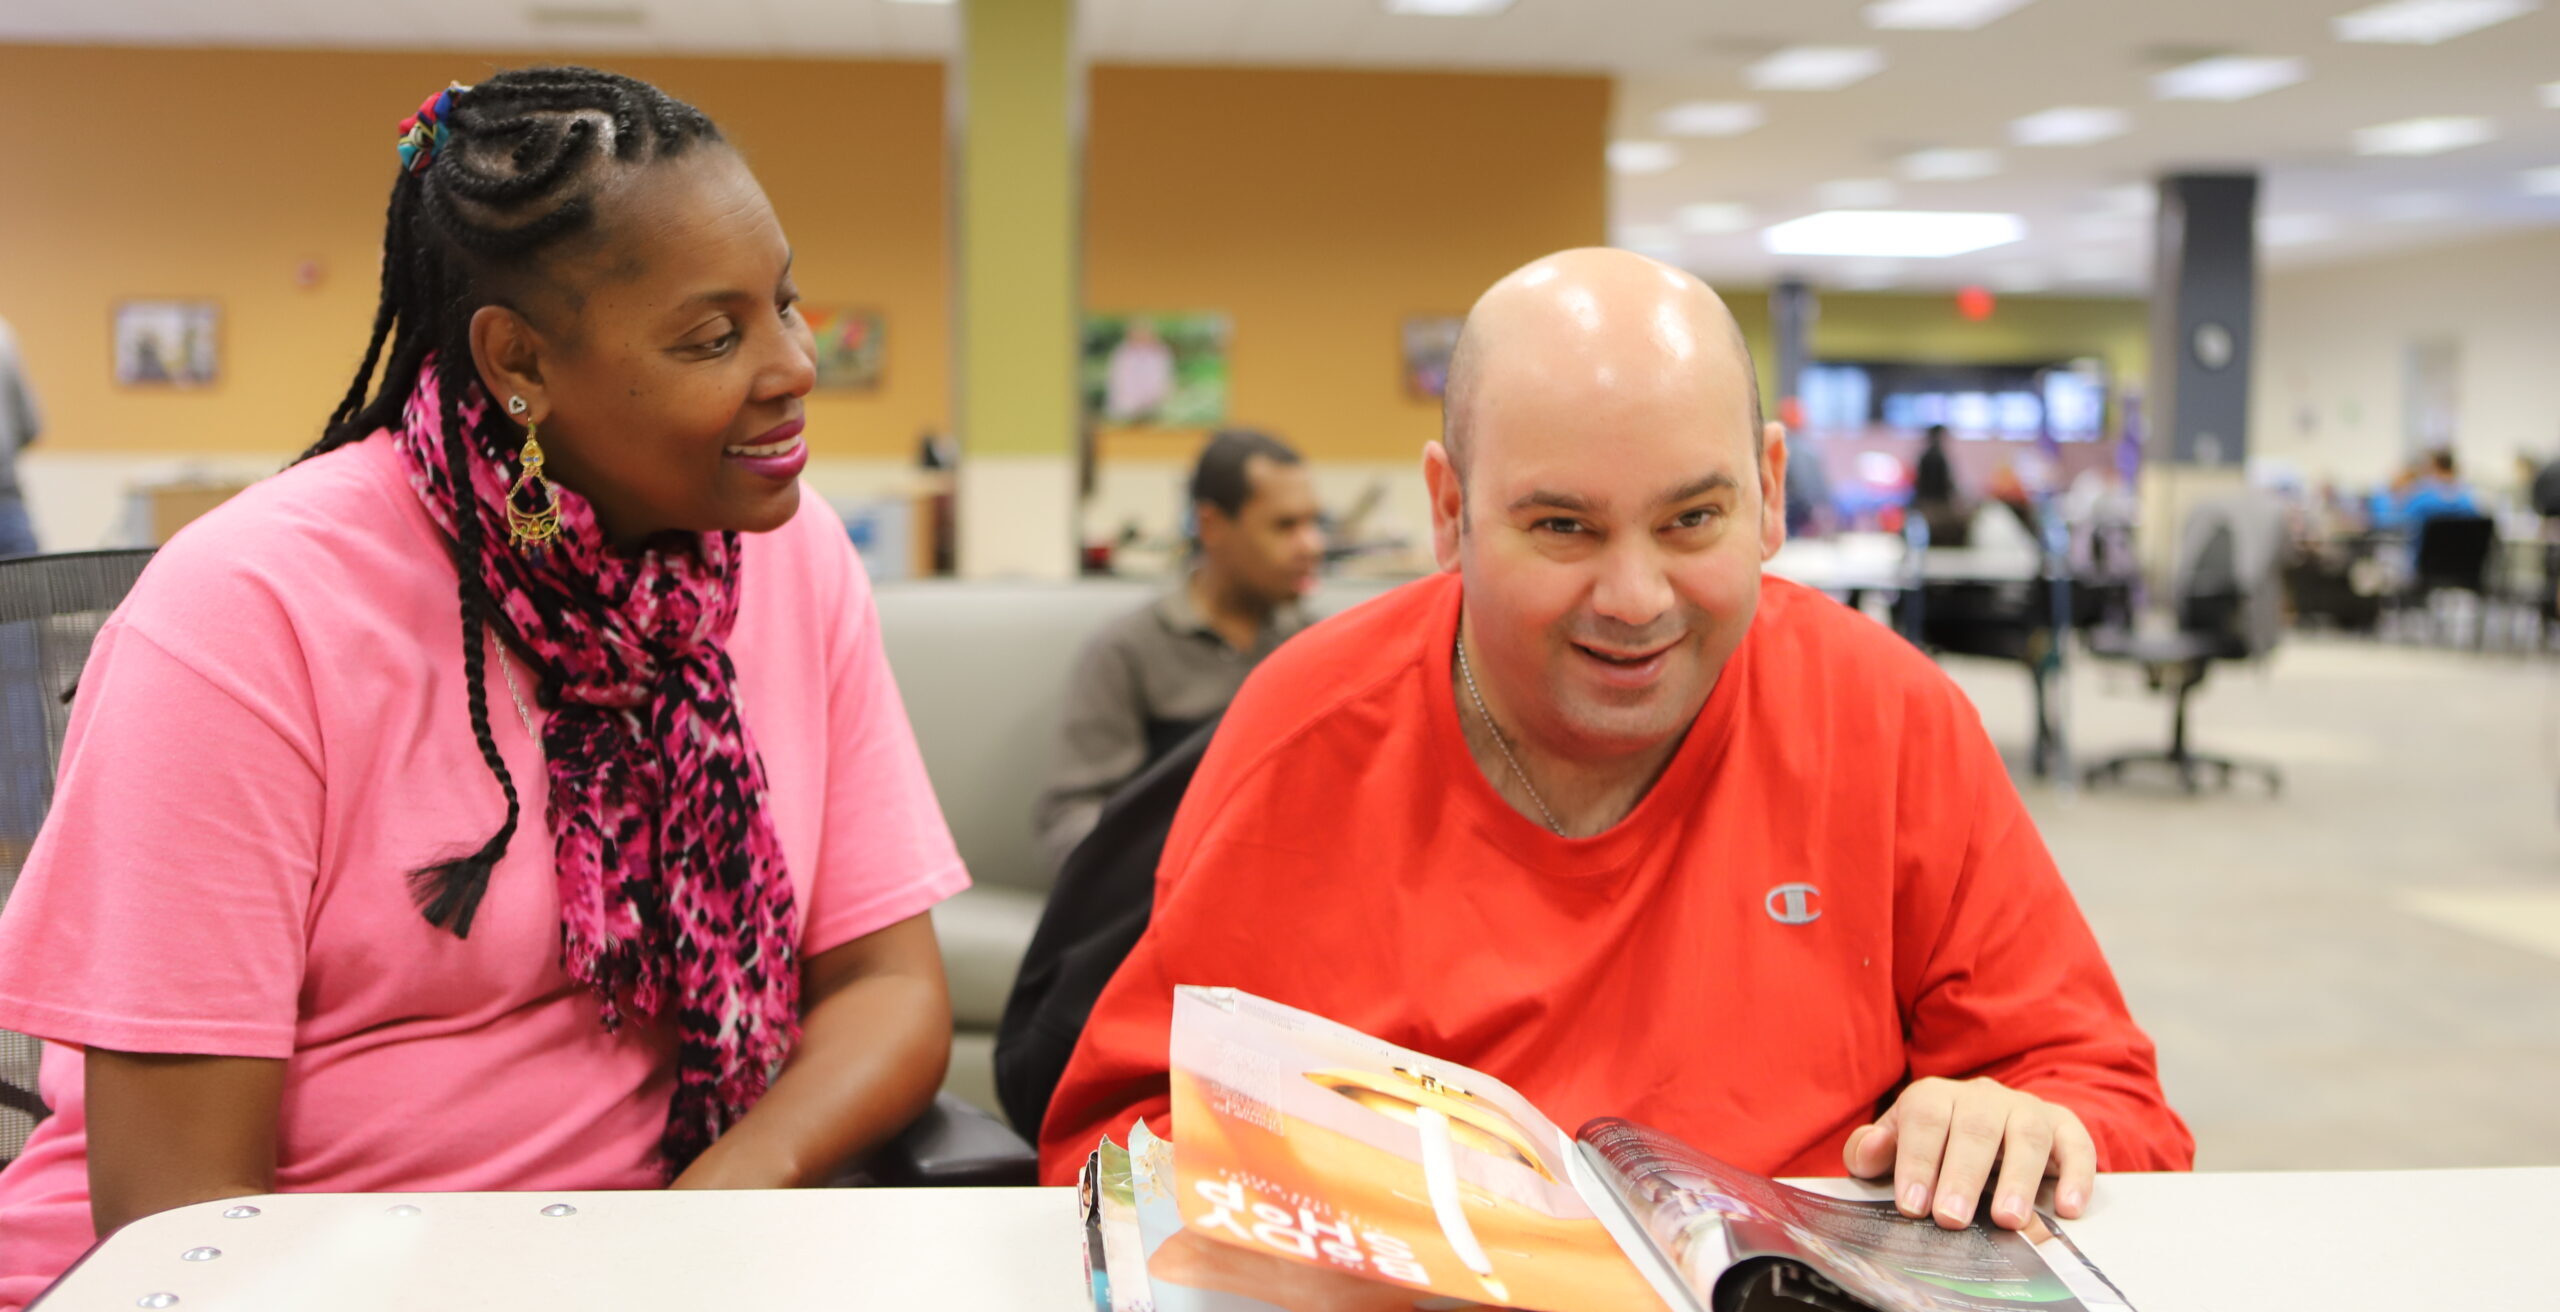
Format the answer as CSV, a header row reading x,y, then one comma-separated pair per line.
x,y
1440,8
1642,156
1709,118
2228,77
1950,165
1939,15
2416,206
2295,229
2425,22
1893,234
2551,95
2070,125
1815,68
1856,194
2541,182
2424,136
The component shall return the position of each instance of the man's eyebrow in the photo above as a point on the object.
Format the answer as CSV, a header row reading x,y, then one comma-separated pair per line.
x,y
1698,487
1552,501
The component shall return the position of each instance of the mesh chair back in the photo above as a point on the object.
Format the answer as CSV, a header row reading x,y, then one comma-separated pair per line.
x,y
2453,552
51,607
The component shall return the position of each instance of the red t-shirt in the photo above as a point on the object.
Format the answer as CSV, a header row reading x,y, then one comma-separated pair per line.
x,y
1832,889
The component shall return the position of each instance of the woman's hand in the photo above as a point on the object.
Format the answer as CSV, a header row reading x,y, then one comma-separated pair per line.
x,y
169,1130
875,1037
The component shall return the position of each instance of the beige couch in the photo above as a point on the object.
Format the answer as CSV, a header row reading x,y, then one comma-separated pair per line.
x,y
983,667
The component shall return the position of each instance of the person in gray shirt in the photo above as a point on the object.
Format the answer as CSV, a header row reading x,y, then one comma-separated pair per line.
x,y
1151,677
19,423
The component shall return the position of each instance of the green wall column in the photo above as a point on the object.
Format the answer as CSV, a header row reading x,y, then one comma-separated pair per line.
x,y
1016,123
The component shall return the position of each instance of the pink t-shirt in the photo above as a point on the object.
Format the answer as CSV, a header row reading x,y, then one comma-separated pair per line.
x,y
271,733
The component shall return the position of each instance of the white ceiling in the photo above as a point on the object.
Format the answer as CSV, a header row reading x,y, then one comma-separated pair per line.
x,y
1937,90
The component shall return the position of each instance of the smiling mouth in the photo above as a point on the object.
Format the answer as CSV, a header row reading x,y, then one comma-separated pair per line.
x,y
783,447
1623,659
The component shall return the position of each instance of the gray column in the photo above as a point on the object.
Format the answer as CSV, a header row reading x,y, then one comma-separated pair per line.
x,y
2204,309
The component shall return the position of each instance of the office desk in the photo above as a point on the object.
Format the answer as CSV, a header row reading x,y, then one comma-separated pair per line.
x,y
2331,1241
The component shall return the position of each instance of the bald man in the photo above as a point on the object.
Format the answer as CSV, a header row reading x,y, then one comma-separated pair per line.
x,y
1601,811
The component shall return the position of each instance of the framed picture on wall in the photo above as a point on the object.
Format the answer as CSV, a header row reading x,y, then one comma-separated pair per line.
x,y
1429,340
168,343
1156,370
851,346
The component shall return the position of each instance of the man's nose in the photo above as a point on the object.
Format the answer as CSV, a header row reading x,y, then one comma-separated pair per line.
x,y
1632,588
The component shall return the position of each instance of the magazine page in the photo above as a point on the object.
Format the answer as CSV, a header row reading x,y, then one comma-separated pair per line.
x,y
1315,1143
1123,1246
1721,1224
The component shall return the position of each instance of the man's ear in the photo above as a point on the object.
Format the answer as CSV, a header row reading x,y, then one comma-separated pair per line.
x,y
1448,504
508,353
1210,524
1773,489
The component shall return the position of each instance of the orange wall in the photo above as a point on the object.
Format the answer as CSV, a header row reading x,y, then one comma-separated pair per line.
x,y
1315,208
217,173
1318,209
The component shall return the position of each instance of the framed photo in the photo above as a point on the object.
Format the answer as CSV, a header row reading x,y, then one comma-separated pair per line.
x,y
1156,370
168,343
1429,340
851,346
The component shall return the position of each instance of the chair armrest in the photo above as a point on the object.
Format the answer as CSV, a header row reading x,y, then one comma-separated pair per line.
x,y
954,1145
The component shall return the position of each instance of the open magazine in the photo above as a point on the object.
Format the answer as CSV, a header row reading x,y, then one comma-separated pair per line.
x,y
1322,1169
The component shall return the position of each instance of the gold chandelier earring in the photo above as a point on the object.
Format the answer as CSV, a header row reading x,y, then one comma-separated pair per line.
x,y
533,504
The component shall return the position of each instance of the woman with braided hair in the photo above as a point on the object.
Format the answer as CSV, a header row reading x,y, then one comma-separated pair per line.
x,y
617,882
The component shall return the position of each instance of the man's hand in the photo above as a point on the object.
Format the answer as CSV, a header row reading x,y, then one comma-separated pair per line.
x,y
1941,1137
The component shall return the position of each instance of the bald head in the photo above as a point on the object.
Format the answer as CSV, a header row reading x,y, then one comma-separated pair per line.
x,y
1600,319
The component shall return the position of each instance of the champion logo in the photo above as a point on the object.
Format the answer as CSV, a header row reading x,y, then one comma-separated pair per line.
x,y
1794,904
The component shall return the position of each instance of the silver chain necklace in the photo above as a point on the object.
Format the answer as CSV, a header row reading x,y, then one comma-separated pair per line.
x,y
498,651
1496,730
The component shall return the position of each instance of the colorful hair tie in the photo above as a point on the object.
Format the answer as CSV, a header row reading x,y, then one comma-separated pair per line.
x,y
421,132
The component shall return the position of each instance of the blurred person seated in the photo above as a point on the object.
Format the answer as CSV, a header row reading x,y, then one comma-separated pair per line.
x,y
1599,786
1148,679
2429,489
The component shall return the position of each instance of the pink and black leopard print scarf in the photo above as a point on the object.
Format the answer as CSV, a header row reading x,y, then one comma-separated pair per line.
x,y
673,893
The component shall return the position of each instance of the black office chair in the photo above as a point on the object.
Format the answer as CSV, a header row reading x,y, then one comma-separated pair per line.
x,y
2454,553
2225,598
51,608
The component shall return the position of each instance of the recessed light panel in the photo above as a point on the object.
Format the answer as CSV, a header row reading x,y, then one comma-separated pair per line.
x,y
2424,136
1939,15
1950,165
2426,22
2541,182
2070,125
2228,77
1815,68
1709,118
1642,156
1893,234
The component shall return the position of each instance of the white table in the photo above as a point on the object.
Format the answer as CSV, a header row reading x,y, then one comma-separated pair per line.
x,y
2331,1241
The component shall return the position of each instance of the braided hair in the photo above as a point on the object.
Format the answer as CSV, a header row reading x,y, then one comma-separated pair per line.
x,y
509,175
